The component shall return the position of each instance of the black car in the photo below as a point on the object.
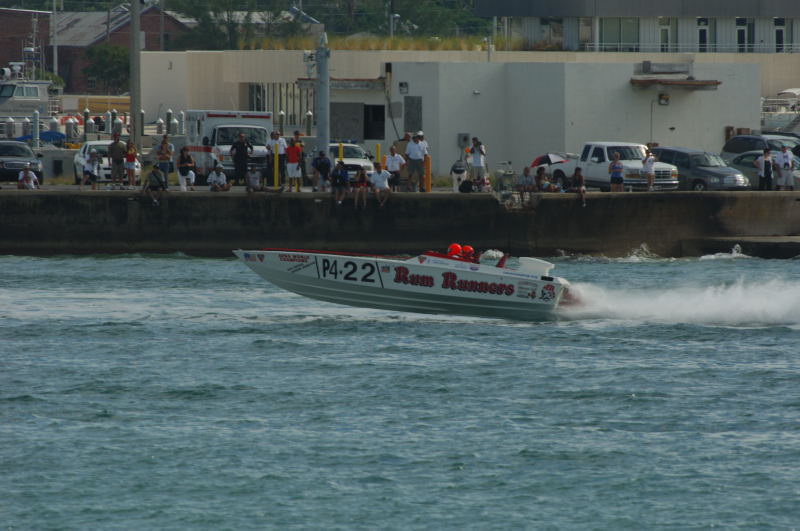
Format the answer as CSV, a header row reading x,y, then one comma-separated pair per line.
x,y
13,158
700,170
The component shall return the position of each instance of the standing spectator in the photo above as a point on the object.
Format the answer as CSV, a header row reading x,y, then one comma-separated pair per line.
x,y
478,155
415,156
240,151
277,146
299,142
164,158
648,168
27,179
380,184
322,170
252,180
424,144
293,154
579,185
361,187
186,166
766,167
131,156
786,166
91,169
340,182
116,155
617,171
394,165
155,184
217,181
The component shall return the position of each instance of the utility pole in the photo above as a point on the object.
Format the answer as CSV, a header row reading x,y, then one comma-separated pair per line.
x,y
323,95
161,21
136,123
55,40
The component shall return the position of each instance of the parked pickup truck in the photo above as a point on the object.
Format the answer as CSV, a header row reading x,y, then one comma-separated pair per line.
x,y
594,161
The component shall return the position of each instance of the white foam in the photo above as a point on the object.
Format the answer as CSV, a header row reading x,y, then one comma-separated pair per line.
x,y
772,302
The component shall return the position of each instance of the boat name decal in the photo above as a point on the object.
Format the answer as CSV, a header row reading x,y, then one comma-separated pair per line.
x,y
451,281
401,276
293,257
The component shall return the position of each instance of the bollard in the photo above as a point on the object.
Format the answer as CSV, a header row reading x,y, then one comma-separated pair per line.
x,y
107,122
69,128
168,122
281,118
341,151
114,115
11,127
159,127
172,127
309,120
427,173
141,123
117,128
54,124
88,127
26,126
181,123
36,129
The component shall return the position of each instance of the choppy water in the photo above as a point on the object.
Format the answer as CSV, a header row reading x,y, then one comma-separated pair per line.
x,y
173,392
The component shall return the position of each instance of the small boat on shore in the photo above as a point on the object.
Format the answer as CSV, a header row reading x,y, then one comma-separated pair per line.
x,y
432,282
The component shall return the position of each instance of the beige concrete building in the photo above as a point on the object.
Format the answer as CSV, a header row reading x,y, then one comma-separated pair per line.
x,y
520,104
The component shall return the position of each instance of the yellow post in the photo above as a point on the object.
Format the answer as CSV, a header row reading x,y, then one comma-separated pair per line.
x,y
276,172
341,151
378,153
427,173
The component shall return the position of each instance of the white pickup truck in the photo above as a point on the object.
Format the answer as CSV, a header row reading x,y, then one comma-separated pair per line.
x,y
594,161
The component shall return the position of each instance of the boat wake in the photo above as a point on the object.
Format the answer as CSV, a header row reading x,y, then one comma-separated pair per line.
x,y
773,302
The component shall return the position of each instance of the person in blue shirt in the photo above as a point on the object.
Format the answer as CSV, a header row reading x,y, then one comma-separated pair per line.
x,y
322,167
340,181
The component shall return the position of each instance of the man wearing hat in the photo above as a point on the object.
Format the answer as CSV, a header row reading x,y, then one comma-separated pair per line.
x,y
217,181
415,154
27,179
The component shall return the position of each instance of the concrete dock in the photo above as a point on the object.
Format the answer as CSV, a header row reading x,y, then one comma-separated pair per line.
x,y
64,220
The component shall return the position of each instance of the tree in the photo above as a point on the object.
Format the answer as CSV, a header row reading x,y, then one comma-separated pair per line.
x,y
110,66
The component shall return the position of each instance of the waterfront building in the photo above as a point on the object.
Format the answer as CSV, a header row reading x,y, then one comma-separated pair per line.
x,y
668,26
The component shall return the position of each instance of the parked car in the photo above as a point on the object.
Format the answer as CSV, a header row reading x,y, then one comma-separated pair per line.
x,y
105,164
355,157
745,164
699,170
741,143
13,158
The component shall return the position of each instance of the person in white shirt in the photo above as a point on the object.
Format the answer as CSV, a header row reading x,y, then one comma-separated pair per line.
x,y
91,169
277,146
648,164
380,184
478,155
415,155
27,179
252,180
766,166
394,165
217,181
786,166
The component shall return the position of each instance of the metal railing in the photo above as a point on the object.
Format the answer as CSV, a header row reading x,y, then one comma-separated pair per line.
x,y
689,48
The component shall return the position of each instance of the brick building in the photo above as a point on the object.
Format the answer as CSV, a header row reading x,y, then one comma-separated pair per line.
x,y
78,31
19,27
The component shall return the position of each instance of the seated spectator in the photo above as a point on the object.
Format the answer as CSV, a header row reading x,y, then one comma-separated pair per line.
x,y
27,179
322,170
380,184
361,187
579,185
155,184
541,184
525,182
252,180
217,181
340,181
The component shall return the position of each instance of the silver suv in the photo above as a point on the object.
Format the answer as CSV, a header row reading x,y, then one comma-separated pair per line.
x,y
741,143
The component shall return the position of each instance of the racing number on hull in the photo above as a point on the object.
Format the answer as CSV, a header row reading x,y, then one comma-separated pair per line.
x,y
349,270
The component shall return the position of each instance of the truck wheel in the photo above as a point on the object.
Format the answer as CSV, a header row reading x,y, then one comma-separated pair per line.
x,y
699,186
560,179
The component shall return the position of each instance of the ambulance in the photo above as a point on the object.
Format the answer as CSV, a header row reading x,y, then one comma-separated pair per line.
x,y
210,134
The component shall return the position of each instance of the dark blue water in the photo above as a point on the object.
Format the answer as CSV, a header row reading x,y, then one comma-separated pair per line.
x,y
173,392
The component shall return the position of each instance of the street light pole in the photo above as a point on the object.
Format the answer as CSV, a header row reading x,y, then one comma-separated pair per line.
x,y
136,86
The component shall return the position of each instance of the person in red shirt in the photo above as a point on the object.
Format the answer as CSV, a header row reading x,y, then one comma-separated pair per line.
x,y
293,154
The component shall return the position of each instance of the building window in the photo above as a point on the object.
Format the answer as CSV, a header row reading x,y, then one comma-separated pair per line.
x,y
619,34
374,122
91,83
745,34
780,22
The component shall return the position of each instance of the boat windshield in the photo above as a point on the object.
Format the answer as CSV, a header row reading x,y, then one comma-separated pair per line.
x,y
626,152
350,152
15,150
6,91
708,160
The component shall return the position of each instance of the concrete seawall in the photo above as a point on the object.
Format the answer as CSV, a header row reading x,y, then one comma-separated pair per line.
x,y
209,224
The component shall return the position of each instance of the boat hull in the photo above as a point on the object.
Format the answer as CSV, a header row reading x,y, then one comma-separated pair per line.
x,y
421,284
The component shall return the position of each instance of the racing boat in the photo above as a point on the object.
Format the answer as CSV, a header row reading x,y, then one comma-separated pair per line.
x,y
429,283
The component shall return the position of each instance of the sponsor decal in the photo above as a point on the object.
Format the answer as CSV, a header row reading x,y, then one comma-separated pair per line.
x,y
451,281
293,257
548,292
527,290
249,257
474,267
422,259
385,269
402,276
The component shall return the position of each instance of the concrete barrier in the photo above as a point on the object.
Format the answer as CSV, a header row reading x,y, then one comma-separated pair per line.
x,y
209,224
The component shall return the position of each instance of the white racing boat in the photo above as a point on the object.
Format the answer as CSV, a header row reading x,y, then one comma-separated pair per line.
x,y
428,283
